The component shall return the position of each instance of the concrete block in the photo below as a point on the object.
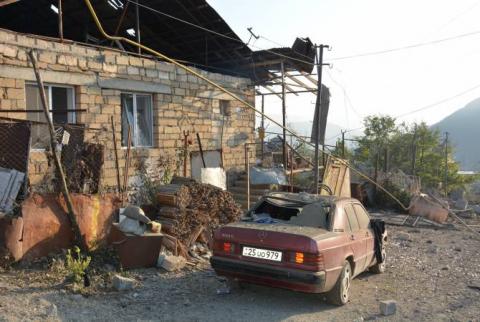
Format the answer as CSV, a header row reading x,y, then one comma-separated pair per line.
x,y
388,307
121,283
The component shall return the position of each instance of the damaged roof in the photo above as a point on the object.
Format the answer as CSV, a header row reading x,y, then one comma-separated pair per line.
x,y
161,29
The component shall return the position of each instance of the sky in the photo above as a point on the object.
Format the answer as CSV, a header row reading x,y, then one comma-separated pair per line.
x,y
395,83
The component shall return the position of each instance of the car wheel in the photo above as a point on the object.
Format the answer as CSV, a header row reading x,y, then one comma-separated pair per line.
x,y
340,293
379,268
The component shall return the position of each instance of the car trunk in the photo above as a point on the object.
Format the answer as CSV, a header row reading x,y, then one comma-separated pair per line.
x,y
285,238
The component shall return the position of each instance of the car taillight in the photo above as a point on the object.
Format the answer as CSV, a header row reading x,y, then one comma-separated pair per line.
x,y
299,257
228,247
307,259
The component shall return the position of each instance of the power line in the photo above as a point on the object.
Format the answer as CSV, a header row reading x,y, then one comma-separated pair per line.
x,y
419,109
421,44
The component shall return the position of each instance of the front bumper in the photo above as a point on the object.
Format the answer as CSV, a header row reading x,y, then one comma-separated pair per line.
x,y
297,280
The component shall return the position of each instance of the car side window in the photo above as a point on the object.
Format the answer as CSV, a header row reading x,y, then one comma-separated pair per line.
x,y
363,219
352,219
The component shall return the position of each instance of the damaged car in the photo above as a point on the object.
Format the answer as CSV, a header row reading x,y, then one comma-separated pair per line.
x,y
301,242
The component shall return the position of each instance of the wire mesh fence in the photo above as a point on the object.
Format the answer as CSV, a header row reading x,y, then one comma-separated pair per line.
x,y
25,147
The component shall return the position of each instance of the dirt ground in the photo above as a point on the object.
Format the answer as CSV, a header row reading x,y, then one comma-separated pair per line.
x,y
434,275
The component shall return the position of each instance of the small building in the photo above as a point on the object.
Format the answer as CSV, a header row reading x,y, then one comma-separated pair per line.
x,y
100,90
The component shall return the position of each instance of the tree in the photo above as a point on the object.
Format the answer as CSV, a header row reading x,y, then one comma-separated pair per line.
x,y
415,149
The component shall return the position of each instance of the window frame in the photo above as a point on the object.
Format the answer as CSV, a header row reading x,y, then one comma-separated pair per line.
x,y
50,101
135,125
364,213
354,215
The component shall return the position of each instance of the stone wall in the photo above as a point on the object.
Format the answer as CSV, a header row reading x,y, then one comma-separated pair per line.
x,y
99,75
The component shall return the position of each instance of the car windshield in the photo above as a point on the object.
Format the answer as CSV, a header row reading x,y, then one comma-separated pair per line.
x,y
272,211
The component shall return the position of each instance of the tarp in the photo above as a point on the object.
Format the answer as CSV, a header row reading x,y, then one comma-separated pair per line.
x,y
267,176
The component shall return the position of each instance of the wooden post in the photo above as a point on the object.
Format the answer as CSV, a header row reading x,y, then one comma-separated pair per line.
x,y
291,170
185,152
201,150
53,146
119,187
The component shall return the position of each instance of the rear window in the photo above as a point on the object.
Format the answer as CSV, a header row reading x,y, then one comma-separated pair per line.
x,y
363,219
352,218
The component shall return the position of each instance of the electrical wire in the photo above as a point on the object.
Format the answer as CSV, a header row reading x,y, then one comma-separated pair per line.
x,y
216,32
425,107
421,44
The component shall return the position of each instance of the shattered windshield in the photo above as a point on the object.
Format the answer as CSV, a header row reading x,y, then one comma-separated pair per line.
x,y
310,215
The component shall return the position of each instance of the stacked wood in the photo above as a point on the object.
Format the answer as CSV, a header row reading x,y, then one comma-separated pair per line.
x,y
191,212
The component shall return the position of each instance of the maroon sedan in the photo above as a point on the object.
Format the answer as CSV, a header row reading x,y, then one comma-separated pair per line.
x,y
301,242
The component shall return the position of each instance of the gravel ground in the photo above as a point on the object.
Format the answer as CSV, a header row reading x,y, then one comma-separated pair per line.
x,y
434,275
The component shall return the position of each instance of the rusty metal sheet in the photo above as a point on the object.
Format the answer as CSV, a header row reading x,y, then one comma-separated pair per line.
x,y
45,227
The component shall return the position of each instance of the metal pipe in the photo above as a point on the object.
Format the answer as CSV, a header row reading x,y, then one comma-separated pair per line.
x,y
247,172
284,118
137,26
262,126
60,20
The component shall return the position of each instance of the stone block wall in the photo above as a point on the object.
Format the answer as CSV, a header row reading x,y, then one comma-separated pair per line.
x,y
181,102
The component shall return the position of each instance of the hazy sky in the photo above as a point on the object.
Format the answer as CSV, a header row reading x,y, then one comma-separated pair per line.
x,y
394,83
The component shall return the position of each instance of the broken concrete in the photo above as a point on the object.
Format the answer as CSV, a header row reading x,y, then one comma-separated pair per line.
x,y
388,307
121,283
172,263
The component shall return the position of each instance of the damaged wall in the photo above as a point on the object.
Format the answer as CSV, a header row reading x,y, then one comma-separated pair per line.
x,y
99,76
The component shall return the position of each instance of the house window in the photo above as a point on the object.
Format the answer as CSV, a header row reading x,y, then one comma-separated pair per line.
x,y
60,99
137,114
225,108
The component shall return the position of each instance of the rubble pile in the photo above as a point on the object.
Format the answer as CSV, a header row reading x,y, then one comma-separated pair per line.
x,y
189,214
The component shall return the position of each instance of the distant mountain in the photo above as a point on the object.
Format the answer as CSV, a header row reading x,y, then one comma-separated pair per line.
x,y
332,133
464,131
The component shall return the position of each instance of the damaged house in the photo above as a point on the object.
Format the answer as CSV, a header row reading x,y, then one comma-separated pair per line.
x,y
117,109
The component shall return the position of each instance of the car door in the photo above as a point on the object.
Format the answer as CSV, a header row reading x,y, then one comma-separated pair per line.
x,y
366,232
357,238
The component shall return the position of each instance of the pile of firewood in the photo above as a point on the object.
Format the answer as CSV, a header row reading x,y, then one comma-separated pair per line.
x,y
189,214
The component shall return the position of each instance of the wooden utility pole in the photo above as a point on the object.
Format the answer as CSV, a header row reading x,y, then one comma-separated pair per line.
x,y
343,144
53,147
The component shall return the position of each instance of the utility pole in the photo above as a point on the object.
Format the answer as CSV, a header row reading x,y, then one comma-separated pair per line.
x,y
319,57
343,144
414,151
284,115
446,164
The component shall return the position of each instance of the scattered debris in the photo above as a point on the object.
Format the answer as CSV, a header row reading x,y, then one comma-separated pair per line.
x,y
121,283
425,206
171,263
388,307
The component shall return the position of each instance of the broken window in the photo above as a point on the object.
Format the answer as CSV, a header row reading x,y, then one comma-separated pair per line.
x,y
137,115
61,102
225,108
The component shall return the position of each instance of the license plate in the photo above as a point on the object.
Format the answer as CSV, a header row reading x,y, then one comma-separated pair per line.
x,y
262,253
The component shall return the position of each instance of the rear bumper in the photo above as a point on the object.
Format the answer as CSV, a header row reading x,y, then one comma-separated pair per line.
x,y
297,280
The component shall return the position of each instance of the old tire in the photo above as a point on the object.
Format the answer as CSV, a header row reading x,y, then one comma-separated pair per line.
x,y
380,268
340,293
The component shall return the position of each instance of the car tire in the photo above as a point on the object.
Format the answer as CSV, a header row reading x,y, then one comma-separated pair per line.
x,y
380,268
340,293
